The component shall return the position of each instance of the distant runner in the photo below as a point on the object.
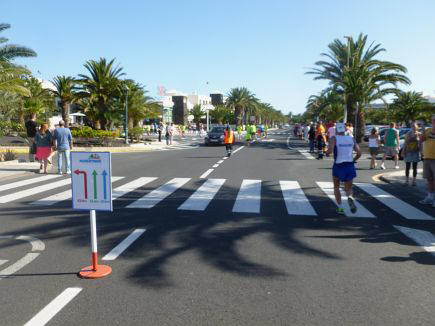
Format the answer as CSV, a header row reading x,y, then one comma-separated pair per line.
x,y
229,140
343,169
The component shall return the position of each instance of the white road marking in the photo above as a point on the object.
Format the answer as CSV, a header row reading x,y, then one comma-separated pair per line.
x,y
407,211
50,310
15,267
37,245
34,191
268,140
157,195
3,261
120,248
206,173
423,238
306,153
61,196
224,158
215,165
238,149
131,186
295,200
249,197
221,161
328,189
202,197
27,182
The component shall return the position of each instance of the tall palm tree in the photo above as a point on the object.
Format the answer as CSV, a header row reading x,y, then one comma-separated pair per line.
x,y
409,106
354,71
197,114
66,92
240,99
39,100
11,51
102,87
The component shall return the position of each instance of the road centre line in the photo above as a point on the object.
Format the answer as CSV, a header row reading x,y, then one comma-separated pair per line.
x,y
120,248
238,149
56,305
221,161
215,165
224,158
206,173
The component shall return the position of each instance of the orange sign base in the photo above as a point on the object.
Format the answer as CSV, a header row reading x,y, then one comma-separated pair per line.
x,y
99,272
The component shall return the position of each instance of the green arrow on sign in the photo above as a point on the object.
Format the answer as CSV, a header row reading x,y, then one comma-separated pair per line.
x,y
95,184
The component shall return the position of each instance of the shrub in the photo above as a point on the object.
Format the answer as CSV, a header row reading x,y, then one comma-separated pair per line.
x,y
88,132
9,155
136,132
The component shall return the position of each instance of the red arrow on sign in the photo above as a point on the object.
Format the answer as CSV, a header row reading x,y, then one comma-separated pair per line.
x,y
85,176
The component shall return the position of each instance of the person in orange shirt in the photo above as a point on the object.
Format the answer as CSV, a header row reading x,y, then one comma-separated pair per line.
x,y
321,140
229,140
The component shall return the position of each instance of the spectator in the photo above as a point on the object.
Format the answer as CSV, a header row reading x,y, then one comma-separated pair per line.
x,y
312,137
391,141
31,132
411,152
43,146
320,137
428,141
374,143
169,134
159,131
63,144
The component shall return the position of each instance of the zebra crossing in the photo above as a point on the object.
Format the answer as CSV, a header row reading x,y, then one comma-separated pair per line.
x,y
179,147
200,193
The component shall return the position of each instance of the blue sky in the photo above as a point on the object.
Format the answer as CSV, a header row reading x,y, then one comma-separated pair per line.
x,y
265,45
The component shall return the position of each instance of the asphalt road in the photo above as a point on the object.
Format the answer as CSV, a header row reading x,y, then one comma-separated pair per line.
x,y
244,259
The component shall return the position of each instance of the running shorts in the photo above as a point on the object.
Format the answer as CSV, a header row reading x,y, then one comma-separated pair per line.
x,y
344,171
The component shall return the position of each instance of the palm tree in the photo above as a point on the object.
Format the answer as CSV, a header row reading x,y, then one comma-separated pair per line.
x,y
65,91
11,51
102,87
221,114
39,101
11,79
240,99
197,113
354,72
409,106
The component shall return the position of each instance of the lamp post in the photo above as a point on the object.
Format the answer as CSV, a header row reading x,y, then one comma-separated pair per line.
x,y
348,55
126,116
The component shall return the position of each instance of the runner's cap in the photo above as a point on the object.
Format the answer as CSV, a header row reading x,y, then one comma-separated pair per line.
x,y
340,127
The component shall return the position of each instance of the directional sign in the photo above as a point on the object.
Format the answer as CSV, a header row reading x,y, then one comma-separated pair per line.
x,y
91,180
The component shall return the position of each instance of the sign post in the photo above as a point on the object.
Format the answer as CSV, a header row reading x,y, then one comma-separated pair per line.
x,y
92,190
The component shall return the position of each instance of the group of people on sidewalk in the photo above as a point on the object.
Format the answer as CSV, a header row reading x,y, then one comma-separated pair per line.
x,y
45,142
342,145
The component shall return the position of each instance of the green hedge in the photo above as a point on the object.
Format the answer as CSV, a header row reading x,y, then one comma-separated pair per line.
x,y
7,127
88,132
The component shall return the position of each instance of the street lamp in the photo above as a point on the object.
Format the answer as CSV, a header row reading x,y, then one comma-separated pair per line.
x,y
126,115
348,63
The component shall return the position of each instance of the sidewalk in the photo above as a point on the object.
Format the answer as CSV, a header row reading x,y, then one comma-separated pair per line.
x,y
398,178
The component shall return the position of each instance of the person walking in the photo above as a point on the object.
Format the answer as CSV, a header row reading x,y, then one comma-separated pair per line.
x,y
169,134
63,143
229,140
31,132
391,141
411,152
320,137
239,132
159,131
374,143
343,170
312,137
43,141
428,144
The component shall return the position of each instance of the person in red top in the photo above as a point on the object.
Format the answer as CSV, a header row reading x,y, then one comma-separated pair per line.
x,y
229,140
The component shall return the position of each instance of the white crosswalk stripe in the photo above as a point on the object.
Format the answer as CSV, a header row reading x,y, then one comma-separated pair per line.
x,y
247,200
249,197
404,209
202,197
33,191
328,189
64,195
156,196
295,199
27,182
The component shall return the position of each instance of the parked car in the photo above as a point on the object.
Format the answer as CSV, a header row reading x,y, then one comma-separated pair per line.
x,y
216,136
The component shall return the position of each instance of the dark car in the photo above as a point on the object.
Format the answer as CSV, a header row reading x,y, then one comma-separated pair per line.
x,y
215,136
